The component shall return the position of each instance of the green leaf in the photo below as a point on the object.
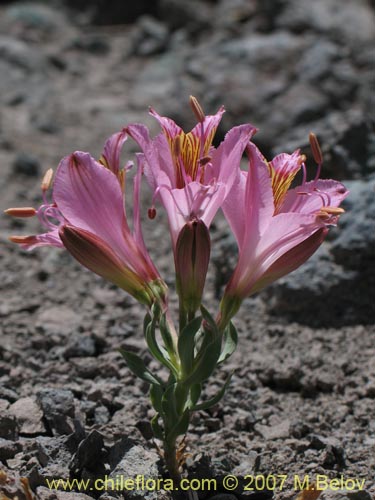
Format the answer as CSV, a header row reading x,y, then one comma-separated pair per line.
x,y
207,316
156,428
186,343
195,392
206,360
138,367
166,333
168,404
157,351
230,342
180,427
213,401
156,395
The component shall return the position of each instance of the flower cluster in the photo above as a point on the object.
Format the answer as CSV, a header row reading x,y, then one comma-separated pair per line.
x,y
277,228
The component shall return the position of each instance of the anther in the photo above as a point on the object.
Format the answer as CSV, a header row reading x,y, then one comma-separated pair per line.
x,y
177,146
151,213
47,179
332,210
21,239
21,212
315,148
206,159
197,109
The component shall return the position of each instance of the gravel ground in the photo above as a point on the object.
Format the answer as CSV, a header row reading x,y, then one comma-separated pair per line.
x,y
301,401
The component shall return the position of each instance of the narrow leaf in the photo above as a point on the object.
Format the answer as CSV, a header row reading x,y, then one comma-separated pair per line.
x,y
186,344
230,342
156,428
213,401
180,427
138,367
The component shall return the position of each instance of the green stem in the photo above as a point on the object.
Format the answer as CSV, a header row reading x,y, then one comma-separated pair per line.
x,y
170,458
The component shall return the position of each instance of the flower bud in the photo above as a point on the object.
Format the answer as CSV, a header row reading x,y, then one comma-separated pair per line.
x,y
192,258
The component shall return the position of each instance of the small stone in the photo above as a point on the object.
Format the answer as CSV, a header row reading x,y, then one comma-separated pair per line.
x,y
58,409
80,345
89,452
29,416
138,461
279,431
8,449
46,494
26,164
101,415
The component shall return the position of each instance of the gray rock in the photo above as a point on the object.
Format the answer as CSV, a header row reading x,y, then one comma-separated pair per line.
x,y
46,494
279,431
58,409
8,449
34,16
150,37
58,319
138,460
89,454
80,345
26,164
29,416
8,423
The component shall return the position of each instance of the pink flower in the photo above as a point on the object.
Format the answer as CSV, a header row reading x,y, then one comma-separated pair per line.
x,y
277,229
87,217
189,175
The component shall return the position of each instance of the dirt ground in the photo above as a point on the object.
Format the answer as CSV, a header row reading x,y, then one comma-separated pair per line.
x,y
301,400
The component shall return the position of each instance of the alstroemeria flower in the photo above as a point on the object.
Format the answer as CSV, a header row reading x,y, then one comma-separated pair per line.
x,y
87,216
277,229
191,177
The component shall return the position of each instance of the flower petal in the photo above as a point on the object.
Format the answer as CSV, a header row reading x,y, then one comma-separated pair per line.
x,y
112,150
227,157
50,239
284,168
311,196
95,254
90,197
292,259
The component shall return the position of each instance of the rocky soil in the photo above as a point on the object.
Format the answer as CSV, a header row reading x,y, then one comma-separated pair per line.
x,y
302,396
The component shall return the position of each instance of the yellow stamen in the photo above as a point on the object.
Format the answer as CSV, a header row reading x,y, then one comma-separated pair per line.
x,y
47,179
21,212
197,109
315,148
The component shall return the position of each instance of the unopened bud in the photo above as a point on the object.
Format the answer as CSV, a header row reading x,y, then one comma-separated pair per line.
x,y
192,257
47,179
315,148
21,212
197,109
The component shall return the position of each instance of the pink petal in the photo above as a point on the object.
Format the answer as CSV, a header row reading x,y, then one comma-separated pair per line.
x,y
249,208
283,233
311,196
95,254
292,259
170,128
207,129
112,150
90,197
227,157
51,239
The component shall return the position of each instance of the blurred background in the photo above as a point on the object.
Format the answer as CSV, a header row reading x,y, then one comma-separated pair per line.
x,y
72,72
